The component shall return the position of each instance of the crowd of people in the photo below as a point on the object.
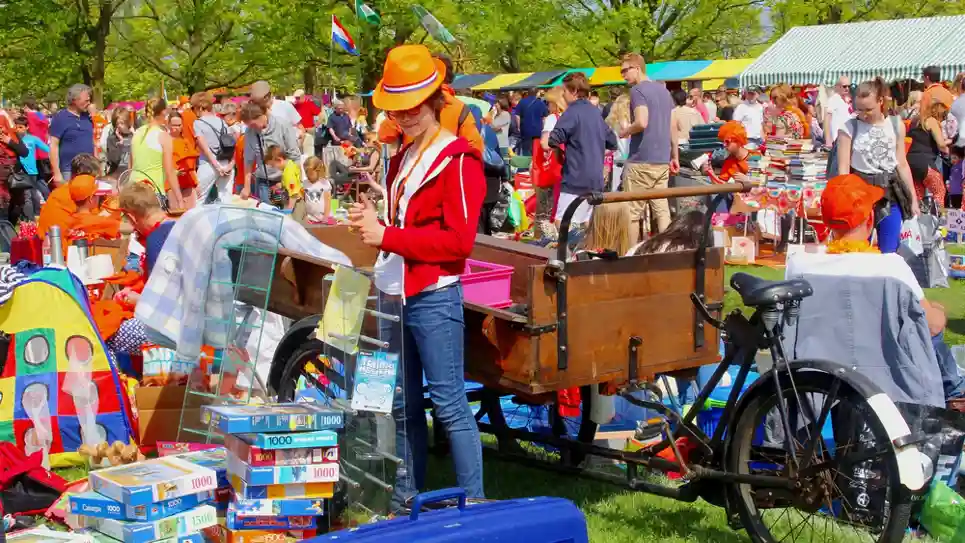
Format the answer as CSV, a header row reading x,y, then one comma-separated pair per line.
x,y
443,162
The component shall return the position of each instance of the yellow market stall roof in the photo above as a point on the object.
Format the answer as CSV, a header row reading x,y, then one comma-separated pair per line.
x,y
502,80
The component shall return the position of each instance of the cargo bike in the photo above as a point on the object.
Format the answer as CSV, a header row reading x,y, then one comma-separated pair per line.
x,y
809,451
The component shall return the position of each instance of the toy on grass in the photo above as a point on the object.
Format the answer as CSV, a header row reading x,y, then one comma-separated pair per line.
x,y
116,454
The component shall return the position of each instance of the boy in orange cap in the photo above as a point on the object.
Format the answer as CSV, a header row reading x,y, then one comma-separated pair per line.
x,y
66,200
736,166
847,207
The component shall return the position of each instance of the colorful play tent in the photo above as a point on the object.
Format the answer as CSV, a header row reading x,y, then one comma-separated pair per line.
x,y
711,74
58,387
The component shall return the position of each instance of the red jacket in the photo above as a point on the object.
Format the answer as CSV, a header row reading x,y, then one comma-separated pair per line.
x,y
441,217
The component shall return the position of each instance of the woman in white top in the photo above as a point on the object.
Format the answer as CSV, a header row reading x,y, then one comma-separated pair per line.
x,y
873,147
501,121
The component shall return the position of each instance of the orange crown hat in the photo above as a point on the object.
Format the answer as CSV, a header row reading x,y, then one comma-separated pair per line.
x,y
732,131
409,78
848,202
82,187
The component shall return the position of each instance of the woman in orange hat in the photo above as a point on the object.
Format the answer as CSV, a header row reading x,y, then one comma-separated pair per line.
x,y
435,192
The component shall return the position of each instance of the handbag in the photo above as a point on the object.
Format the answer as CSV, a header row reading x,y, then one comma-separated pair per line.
x,y
19,180
547,167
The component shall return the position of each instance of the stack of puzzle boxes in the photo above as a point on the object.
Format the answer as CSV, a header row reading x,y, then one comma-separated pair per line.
x,y
282,466
163,499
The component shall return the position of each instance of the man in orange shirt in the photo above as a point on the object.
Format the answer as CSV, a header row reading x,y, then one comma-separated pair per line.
x,y
455,116
188,116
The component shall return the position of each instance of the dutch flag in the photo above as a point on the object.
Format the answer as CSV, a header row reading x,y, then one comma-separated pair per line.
x,y
342,37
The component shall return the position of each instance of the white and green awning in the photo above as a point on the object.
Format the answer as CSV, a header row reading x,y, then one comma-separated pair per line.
x,y
894,50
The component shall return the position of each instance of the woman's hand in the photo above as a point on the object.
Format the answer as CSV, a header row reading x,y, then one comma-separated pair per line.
x,y
741,178
245,193
364,217
915,208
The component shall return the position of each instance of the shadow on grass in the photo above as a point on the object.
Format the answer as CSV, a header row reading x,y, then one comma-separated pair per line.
x,y
957,326
687,523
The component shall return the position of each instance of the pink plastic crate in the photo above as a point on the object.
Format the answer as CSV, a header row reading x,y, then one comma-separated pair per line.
x,y
485,283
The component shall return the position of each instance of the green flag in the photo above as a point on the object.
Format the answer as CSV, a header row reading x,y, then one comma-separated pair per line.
x,y
367,14
432,25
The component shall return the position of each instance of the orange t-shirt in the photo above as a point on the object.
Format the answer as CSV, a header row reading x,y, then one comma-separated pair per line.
x,y
733,165
186,161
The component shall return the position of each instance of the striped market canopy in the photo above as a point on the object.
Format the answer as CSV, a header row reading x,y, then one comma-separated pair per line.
x,y
501,81
470,80
609,75
862,51
536,79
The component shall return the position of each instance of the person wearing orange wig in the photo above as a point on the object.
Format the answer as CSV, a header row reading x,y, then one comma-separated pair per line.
x,y
736,166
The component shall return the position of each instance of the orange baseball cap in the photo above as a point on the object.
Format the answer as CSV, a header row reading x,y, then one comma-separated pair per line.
x,y
409,78
848,201
82,187
732,131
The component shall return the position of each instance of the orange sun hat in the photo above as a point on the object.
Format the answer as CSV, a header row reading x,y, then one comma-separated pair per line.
x,y
409,78
848,201
82,187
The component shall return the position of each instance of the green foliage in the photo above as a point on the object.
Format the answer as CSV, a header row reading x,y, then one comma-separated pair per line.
x,y
126,48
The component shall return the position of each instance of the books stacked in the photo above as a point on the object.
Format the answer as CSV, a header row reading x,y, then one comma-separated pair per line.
x,y
282,465
810,168
164,499
757,168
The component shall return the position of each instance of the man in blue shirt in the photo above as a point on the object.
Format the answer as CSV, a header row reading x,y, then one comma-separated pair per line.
x,y
339,124
71,132
586,137
530,111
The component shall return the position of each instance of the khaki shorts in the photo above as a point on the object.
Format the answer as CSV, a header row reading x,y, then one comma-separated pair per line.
x,y
648,177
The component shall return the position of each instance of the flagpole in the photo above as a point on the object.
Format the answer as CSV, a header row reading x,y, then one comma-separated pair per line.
x,y
331,53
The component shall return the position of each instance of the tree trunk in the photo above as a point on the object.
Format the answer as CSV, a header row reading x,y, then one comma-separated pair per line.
x,y
309,76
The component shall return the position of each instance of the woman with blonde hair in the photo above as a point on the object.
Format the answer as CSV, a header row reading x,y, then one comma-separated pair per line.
x,y
546,196
912,106
784,119
617,120
608,230
928,143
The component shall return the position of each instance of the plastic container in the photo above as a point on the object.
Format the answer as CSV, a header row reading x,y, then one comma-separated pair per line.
x,y
485,283
524,520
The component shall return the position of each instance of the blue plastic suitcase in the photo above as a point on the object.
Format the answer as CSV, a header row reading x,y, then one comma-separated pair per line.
x,y
526,520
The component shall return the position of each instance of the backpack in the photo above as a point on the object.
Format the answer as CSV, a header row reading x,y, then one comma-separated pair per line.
x,y
26,488
226,142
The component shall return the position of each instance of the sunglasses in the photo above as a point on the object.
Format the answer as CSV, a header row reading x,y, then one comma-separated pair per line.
x,y
411,112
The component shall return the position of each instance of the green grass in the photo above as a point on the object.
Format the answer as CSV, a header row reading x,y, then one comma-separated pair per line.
x,y
616,515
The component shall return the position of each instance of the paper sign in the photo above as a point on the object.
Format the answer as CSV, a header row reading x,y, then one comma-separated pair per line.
x,y
956,221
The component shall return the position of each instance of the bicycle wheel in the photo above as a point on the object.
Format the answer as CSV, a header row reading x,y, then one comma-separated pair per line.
x,y
847,487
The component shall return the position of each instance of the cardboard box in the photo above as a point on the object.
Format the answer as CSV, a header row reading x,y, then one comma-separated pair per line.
x,y
159,414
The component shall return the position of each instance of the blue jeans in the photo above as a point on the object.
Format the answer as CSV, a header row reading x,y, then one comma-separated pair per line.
x,y
261,191
952,381
433,341
889,230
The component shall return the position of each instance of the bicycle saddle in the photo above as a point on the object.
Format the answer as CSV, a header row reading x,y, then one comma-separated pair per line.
x,y
755,291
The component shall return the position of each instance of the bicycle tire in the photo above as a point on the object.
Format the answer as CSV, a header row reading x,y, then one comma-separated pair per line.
x,y
755,405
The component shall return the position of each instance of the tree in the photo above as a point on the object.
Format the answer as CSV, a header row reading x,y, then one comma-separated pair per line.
x,y
198,44
83,25
786,14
